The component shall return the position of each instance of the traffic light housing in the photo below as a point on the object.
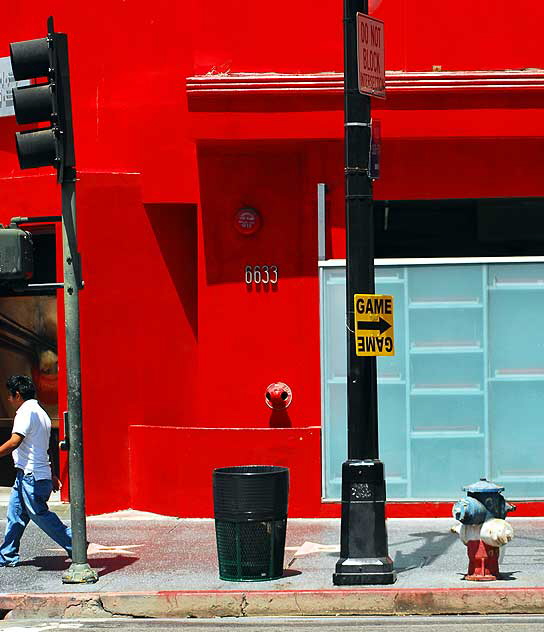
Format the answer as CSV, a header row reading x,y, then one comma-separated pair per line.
x,y
44,102
16,257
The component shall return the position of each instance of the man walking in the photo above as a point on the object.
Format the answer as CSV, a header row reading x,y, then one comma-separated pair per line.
x,y
29,444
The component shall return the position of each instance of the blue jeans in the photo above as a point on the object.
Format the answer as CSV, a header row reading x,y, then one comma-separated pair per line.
x,y
28,501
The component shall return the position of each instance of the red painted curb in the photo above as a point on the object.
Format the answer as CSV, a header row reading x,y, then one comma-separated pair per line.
x,y
327,602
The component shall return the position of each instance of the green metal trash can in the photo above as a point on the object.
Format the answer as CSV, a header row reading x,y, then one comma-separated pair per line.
x,y
250,510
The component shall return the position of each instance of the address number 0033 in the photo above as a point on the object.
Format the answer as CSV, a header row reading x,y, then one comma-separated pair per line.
x,y
267,275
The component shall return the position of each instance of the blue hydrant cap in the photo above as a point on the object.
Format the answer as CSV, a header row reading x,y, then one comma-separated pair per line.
x,y
483,486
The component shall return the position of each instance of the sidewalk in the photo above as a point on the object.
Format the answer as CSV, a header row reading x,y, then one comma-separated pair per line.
x,y
168,567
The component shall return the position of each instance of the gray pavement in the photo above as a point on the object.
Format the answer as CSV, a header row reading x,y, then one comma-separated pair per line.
x,y
159,566
157,553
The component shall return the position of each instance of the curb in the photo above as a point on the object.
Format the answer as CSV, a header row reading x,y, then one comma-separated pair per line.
x,y
206,604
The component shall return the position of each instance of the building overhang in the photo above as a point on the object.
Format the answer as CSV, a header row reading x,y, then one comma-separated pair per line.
x,y
489,104
466,89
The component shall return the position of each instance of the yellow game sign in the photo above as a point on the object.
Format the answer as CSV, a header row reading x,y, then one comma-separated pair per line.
x,y
374,335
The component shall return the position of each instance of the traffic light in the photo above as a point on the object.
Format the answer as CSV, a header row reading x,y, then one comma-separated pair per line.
x,y
41,102
16,257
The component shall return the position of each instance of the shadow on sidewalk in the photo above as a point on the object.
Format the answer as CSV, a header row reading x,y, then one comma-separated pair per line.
x,y
434,544
508,577
103,565
290,572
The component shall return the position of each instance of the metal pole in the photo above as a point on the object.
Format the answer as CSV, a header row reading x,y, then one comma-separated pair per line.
x,y
363,543
362,387
79,572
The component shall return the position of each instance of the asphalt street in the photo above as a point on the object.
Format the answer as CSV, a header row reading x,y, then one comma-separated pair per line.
x,y
330,624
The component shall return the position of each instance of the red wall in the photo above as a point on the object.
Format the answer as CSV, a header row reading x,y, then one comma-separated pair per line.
x,y
244,36
250,335
176,349
138,317
198,451
129,61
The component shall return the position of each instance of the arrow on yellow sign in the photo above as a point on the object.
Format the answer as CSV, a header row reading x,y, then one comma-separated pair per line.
x,y
382,325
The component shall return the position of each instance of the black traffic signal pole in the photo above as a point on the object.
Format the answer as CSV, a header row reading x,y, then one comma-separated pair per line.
x,y
364,556
54,146
79,572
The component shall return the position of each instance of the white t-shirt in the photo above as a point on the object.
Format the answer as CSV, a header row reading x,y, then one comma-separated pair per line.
x,y
34,424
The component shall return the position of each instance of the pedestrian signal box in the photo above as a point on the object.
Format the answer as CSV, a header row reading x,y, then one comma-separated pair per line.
x,y
374,325
16,257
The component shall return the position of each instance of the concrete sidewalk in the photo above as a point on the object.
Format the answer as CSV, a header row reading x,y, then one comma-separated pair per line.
x,y
168,567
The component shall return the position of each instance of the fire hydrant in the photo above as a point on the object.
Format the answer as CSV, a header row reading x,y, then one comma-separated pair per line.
x,y
483,528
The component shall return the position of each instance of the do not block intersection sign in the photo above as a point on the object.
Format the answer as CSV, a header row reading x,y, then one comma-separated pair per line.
x,y
374,334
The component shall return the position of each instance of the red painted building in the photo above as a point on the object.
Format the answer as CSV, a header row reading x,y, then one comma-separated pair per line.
x,y
186,113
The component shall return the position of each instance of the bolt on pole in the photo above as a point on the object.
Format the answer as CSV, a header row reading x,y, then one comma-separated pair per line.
x,y
79,572
364,557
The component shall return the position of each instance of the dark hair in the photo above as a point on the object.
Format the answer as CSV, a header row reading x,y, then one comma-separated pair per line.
x,y
21,384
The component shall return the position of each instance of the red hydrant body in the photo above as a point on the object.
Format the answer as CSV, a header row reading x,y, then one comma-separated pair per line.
x,y
483,561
